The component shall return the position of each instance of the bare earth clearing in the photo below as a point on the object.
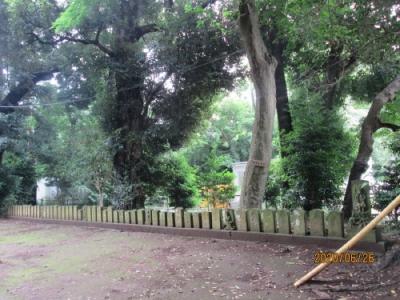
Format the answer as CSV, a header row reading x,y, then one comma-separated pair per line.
x,y
41,261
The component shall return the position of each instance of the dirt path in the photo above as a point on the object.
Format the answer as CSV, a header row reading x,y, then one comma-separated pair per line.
x,y
40,261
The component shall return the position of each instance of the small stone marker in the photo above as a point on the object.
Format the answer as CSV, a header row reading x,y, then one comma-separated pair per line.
x,y
187,217
228,219
283,221
110,214
241,219
141,216
317,222
216,217
155,216
196,218
268,222
206,219
374,236
127,217
179,217
298,222
133,216
147,214
171,219
335,224
163,218
253,219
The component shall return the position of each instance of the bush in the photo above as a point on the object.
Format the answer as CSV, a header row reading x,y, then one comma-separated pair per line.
x,y
320,152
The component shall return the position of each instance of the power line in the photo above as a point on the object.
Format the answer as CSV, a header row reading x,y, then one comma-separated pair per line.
x,y
182,71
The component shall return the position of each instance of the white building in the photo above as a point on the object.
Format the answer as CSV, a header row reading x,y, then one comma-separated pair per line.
x,y
45,192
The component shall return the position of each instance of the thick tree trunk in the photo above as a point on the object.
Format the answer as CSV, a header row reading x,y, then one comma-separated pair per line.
x,y
262,65
282,99
370,124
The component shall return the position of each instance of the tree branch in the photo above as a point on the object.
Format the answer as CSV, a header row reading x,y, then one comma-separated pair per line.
x,y
141,31
95,42
154,93
22,88
390,126
61,38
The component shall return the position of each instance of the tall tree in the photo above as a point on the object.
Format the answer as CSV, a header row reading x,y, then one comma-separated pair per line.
x,y
262,68
370,125
158,68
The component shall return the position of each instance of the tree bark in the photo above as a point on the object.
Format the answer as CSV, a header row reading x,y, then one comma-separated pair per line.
x,y
282,99
370,125
262,66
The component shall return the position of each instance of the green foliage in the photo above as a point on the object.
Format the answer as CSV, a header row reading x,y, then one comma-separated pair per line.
x,y
215,180
79,11
228,131
179,180
388,185
320,153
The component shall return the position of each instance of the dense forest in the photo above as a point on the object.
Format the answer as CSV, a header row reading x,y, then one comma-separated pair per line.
x,y
129,103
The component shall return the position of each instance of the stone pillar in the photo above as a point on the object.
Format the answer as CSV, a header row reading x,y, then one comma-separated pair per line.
x,y
187,217
228,219
121,216
155,217
104,213
88,213
216,218
62,212
241,219
110,214
99,214
94,213
55,212
206,219
170,219
283,221
127,217
179,217
268,223
298,222
133,214
141,216
147,213
115,216
253,219
317,222
335,224
163,218
79,214
361,214
196,218
71,212
75,212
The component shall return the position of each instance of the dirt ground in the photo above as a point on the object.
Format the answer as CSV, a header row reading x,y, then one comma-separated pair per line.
x,y
43,261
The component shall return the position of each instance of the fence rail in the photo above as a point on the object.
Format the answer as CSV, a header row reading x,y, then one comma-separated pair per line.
x,y
300,223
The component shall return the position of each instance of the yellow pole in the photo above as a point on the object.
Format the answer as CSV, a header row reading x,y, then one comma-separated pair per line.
x,y
354,240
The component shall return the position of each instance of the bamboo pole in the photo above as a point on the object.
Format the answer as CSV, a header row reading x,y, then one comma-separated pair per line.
x,y
354,240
